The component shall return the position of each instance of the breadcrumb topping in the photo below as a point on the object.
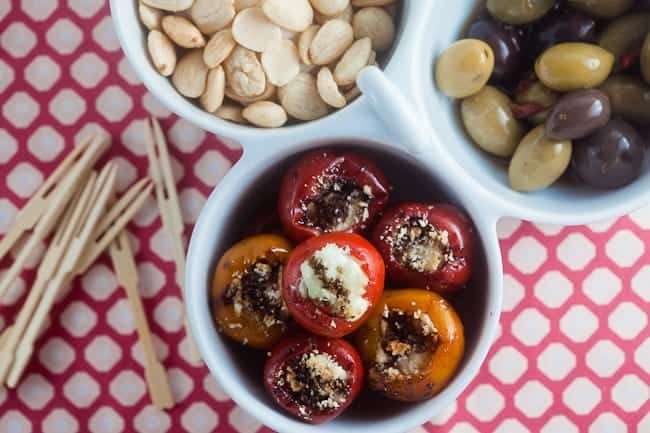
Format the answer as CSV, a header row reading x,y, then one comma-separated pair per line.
x,y
338,204
420,246
256,291
407,343
316,382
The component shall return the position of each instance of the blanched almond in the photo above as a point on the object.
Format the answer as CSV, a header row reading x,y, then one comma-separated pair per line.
x,y
253,30
345,15
162,52
182,32
244,73
304,42
211,16
376,24
294,15
150,17
281,62
231,112
331,41
330,7
214,93
301,99
354,59
169,5
190,74
328,89
269,93
218,48
240,5
364,3
265,114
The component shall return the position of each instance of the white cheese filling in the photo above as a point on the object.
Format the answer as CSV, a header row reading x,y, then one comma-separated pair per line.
x,y
338,266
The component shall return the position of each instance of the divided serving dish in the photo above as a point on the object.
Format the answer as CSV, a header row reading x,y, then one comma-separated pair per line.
x,y
413,132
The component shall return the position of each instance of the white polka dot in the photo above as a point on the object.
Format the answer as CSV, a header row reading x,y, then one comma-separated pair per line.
x,y
508,365
605,358
530,327
89,69
67,107
17,39
625,248
114,104
553,289
576,251
630,393
527,255
485,403
46,144
581,396
627,320
64,36
579,323
533,399
212,167
24,180
556,361
21,110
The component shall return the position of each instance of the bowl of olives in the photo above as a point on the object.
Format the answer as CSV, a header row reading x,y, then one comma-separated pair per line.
x,y
545,104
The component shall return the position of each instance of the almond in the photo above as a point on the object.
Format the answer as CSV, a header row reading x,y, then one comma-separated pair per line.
x,y
210,16
169,5
182,32
376,24
281,62
328,89
190,74
162,52
244,73
214,93
330,7
253,30
294,15
265,114
301,100
304,43
231,112
218,48
150,17
354,59
331,41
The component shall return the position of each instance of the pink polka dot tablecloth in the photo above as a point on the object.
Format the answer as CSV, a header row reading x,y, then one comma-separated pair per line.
x,y
572,354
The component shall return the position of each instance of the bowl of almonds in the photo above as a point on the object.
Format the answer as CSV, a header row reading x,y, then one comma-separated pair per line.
x,y
257,64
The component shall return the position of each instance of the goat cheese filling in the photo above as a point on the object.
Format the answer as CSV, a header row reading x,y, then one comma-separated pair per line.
x,y
334,280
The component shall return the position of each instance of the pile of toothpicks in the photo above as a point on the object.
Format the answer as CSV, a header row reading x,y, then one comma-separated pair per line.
x,y
77,208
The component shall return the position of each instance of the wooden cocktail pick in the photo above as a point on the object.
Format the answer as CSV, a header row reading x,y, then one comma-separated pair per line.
x,y
160,169
127,275
83,229
31,213
114,222
46,271
53,206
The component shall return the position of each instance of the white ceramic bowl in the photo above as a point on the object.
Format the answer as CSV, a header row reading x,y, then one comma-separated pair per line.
x,y
426,152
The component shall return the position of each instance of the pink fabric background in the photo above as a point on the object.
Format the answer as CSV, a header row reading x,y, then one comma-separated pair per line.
x,y
573,354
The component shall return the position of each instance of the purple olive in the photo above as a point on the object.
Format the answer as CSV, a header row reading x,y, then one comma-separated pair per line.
x,y
563,26
611,158
578,114
506,42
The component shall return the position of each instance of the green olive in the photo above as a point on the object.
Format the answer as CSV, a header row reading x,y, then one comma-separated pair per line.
x,y
537,93
574,66
488,119
645,59
603,8
519,11
625,33
464,68
538,161
629,97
